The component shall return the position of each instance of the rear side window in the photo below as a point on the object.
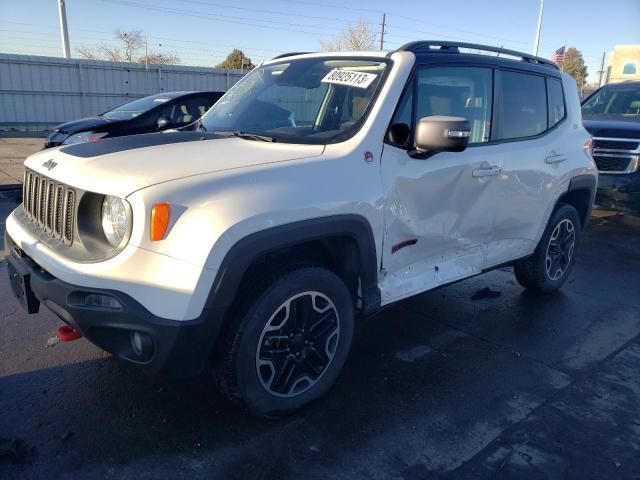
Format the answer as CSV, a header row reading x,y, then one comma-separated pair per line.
x,y
524,105
556,101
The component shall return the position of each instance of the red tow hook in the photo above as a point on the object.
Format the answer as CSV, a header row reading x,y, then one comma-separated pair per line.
x,y
66,333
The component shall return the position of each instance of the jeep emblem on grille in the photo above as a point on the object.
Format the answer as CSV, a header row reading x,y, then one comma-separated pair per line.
x,y
49,164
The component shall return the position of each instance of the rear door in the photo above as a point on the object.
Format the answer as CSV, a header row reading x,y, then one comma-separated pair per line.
x,y
530,113
438,211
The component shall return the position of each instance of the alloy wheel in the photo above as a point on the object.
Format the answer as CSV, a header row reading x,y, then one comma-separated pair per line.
x,y
297,344
560,249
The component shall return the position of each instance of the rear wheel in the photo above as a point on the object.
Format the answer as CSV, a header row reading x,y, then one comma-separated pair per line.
x,y
549,266
288,344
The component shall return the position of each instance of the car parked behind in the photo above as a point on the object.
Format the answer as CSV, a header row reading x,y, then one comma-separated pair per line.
x,y
612,115
144,115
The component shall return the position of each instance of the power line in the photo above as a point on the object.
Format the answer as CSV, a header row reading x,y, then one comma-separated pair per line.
x,y
219,18
272,12
397,15
110,38
325,5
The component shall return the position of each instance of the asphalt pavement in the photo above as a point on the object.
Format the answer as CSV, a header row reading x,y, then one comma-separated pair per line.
x,y
476,380
13,151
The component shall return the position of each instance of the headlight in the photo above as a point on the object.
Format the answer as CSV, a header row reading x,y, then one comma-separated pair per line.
x,y
115,222
84,137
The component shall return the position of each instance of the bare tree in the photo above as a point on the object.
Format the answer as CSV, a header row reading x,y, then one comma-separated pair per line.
x,y
356,36
132,42
86,52
107,52
130,47
161,58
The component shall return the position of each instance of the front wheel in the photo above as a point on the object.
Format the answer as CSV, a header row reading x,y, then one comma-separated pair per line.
x,y
549,266
290,344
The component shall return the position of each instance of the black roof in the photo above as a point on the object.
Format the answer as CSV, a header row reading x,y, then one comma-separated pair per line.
x,y
446,51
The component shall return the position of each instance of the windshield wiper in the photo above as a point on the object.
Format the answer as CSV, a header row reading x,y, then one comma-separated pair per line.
x,y
253,136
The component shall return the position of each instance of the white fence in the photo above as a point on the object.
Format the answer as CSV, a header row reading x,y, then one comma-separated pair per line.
x,y
37,93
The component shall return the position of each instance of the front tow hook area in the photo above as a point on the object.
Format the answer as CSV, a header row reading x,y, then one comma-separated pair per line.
x,y
66,333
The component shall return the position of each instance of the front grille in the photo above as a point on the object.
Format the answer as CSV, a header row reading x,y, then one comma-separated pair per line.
x,y
611,164
616,144
616,155
49,205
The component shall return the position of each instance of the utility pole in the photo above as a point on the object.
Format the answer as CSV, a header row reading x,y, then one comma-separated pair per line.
x,y
64,33
384,24
146,53
601,70
536,45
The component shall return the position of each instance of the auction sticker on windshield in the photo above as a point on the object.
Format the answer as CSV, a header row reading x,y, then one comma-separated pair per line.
x,y
347,77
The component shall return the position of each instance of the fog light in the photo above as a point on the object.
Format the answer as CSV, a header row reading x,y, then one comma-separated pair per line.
x,y
141,343
102,301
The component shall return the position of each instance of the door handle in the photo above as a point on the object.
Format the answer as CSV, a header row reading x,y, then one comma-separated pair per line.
x,y
557,158
487,172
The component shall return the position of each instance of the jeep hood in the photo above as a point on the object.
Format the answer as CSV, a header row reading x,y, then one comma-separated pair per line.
x,y
122,165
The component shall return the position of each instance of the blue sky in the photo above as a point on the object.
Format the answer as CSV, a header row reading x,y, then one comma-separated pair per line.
x,y
201,32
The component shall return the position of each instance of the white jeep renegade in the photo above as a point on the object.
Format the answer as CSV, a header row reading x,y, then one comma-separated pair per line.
x,y
320,187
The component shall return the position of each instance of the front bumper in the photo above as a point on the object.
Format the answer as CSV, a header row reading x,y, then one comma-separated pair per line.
x,y
179,348
619,192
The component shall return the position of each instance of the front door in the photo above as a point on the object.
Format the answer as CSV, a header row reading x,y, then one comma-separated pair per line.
x,y
438,211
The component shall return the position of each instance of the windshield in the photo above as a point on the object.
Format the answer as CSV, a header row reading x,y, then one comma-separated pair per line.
x,y
135,108
614,101
316,100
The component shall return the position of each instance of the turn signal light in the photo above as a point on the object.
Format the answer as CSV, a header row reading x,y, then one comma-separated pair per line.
x,y
588,147
160,214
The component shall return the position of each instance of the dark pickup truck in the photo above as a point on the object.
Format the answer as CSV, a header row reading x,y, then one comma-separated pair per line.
x,y
612,116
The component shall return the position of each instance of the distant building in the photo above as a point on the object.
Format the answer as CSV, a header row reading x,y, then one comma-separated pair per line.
x,y
624,64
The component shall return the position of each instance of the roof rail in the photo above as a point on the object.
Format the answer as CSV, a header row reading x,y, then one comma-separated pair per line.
x,y
453,47
290,54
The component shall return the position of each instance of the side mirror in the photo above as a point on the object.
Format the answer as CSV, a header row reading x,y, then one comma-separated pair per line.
x,y
441,134
163,123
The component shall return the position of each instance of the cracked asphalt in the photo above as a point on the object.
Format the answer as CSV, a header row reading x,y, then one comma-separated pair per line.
x,y
505,385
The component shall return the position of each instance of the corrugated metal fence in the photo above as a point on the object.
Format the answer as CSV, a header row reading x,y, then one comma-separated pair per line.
x,y
37,93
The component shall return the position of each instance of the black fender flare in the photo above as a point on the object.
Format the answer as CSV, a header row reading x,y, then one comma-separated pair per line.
x,y
584,182
244,252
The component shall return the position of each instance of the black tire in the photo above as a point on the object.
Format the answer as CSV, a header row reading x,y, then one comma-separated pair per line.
x,y
536,272
246,360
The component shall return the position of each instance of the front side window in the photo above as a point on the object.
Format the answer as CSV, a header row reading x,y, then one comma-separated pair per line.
x,y
458,92
185,111
315,100
137,107
523,110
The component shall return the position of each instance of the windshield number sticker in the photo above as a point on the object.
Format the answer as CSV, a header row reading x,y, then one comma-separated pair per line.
x,y
352,79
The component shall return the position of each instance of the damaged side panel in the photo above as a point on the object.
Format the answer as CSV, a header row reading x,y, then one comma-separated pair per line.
x,y
439,214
